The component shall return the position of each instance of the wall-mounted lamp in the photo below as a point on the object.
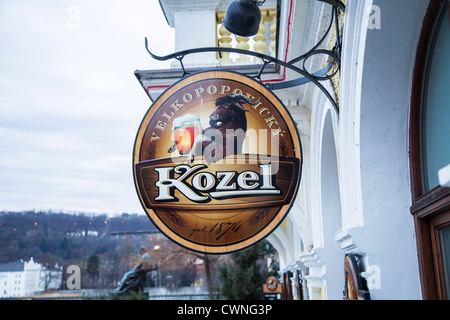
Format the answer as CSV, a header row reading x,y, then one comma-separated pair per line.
x,y
243,17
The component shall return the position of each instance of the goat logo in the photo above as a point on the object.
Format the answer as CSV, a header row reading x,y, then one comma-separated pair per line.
x,y
217,162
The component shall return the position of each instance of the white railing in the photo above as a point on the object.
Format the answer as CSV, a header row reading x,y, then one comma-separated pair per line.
x,y
263,42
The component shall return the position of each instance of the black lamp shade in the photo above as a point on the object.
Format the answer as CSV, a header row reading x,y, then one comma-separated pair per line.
x,y
242,18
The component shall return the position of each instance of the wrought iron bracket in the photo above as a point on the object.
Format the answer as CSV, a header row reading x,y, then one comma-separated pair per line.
x,y
315,78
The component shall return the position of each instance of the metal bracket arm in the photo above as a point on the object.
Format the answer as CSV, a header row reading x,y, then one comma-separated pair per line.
x,y
315,78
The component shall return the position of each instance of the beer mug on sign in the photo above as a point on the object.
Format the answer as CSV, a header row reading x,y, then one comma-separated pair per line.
x,y
185,129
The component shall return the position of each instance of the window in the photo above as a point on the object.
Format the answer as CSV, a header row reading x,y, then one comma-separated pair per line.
x,y
430,150
435,117
444,235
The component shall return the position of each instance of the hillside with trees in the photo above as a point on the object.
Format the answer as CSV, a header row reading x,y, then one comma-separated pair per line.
x,y
105,247
61,235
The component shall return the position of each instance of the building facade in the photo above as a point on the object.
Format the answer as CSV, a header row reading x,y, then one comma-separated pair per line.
x,y
374,202
23,278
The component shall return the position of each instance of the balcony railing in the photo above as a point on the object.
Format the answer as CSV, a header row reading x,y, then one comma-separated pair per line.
x,y
265,41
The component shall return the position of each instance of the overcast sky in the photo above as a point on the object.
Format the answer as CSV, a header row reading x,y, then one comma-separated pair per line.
x,y
70,105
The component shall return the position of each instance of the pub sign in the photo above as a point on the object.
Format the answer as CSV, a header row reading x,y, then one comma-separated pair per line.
x,y
217,162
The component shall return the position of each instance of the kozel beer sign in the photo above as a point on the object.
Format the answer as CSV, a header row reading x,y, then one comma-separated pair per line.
x,y
217,162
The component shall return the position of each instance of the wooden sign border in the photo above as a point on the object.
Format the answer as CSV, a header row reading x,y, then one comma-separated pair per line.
x,y
354,288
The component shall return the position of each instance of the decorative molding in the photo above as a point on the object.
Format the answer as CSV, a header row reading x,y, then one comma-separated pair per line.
x,y
315,274
355,30
169,7
344,242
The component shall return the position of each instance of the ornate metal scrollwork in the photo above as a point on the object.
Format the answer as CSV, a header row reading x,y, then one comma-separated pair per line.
x,y
326,73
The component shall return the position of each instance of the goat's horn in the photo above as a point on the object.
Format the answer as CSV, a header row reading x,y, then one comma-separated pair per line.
x,y
245,98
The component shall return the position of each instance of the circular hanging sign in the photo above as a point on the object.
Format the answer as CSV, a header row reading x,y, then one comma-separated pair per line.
x,y
217,162
272,283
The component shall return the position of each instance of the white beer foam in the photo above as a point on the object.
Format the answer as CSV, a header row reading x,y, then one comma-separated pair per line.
x,y
189,119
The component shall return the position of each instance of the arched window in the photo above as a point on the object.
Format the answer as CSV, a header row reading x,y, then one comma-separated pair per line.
x,y
430,150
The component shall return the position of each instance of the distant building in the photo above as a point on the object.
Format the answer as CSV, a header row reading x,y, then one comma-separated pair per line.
x,y
23,278
84,233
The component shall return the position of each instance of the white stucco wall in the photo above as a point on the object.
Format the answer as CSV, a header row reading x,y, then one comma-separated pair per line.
x,y
367,209
387,236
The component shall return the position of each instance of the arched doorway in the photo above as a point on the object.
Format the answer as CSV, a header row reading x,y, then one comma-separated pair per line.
x,y
331,212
